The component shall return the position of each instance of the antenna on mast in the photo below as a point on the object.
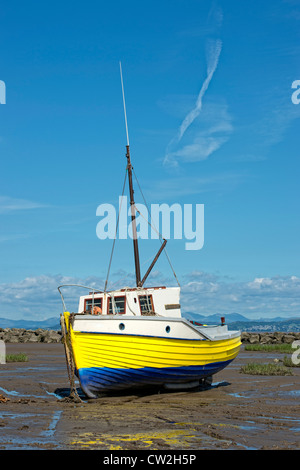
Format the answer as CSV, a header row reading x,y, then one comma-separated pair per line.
x,y
124,104
131,192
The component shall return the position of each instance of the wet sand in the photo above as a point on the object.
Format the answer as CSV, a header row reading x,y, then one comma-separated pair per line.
x,y
237,412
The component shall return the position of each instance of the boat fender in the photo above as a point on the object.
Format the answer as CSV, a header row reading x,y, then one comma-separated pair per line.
x,y
97,311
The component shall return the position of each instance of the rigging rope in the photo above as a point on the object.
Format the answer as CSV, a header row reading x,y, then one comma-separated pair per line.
x,y
114,242
153,226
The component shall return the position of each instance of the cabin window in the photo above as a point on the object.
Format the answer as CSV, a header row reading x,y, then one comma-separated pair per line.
x,y
146,303
88,303
119,305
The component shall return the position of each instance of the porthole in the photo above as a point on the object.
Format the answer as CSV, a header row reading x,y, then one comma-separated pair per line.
x,y
122,326
168,329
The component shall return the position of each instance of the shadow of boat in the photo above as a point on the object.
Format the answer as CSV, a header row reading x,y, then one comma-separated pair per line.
x,y
65,393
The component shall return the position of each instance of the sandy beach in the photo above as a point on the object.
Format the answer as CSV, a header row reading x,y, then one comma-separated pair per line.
x,y
238,412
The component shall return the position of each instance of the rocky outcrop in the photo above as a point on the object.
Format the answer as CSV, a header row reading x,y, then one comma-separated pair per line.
x,y
20,335
269,338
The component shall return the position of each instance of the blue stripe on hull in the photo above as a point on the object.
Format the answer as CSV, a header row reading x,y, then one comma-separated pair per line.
x,y
94,380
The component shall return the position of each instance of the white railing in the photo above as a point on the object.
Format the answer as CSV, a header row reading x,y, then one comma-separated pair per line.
x,y
126,290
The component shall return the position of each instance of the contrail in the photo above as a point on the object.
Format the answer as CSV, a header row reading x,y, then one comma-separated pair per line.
x,y
214,48
213,54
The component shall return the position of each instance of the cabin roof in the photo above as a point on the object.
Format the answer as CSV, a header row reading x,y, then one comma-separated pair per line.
x,y
131,289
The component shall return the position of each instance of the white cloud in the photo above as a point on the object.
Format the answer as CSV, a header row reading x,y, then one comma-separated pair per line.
x,y
37,297
8,204
277,120
176,187
209,26
262,297
208,133
214,50
202,141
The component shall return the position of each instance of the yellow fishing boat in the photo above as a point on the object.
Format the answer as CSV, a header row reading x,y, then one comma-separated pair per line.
x,y
141,339
135,337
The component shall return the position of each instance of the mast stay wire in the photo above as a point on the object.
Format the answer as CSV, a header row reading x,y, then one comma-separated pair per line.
x,y
149,223
117,226
153,226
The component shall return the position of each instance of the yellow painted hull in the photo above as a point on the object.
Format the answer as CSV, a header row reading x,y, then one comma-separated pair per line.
x,y
115,361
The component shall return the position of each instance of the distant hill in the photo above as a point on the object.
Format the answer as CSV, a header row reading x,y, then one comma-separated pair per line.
x,y
215,318
53,323
290,325
235,321
49,324
239,322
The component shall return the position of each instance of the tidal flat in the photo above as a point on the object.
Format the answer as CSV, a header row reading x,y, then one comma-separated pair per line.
x,y
238,412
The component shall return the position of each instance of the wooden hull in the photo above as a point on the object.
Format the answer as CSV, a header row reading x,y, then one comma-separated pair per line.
x,y
111,361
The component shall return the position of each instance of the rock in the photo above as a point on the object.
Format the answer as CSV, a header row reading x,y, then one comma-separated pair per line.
x,y
266,339
269,338
51,336
288,338
20,335
3,399
35,338
13,339
277,337
245,337
40,331
254,338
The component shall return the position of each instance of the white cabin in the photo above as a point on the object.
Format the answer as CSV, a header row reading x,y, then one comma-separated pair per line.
x,y
163,301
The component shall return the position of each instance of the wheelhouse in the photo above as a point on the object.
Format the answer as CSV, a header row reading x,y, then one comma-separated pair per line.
x,y
133,301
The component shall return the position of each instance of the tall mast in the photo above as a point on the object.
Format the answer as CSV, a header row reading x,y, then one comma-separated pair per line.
x,y
131,192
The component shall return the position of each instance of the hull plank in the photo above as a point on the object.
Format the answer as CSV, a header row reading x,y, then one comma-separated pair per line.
x,y
108,362
95,379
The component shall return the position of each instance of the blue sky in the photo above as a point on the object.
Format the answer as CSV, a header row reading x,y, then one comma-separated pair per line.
x,y
62,147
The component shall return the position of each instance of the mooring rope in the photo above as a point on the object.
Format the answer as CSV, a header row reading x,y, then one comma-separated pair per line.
x,y
66,334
